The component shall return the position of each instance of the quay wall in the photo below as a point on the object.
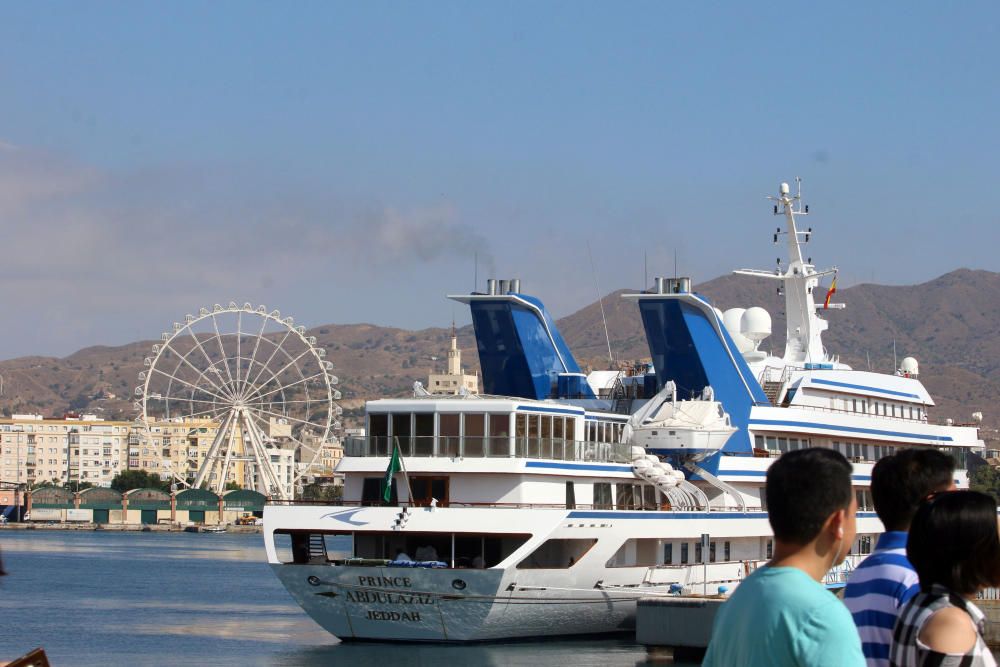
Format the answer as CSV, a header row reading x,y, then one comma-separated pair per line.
x,y
126,527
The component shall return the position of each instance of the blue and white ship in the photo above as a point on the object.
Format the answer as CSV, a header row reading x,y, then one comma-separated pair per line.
x,y
547,505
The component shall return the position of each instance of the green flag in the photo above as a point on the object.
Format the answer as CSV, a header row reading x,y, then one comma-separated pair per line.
x,y
395,465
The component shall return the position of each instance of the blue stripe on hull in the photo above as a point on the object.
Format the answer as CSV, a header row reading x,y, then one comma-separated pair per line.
x,y
576,466
832,383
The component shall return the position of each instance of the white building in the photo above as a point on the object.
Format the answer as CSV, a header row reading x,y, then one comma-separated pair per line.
x,y
34,449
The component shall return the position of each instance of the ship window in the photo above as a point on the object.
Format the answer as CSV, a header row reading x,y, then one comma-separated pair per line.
x,y
854,404
769,549
371,492
711,552
546,434
401,431
684,553
637,552
726,553
628,496
427,488
782,444
534,424
556,554
570,429
475,430
520,435
499,442
423,442
648,497
758,441
698,556
570,496
378,434
911,412
448,435
602,496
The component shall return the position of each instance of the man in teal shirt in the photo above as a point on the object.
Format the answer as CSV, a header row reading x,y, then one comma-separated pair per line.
x,y
782,614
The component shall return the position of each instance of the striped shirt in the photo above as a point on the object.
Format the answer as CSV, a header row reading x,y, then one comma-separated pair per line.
x,y
909,651
876,590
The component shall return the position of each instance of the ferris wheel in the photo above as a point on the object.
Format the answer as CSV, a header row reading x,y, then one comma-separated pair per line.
x,y
237,394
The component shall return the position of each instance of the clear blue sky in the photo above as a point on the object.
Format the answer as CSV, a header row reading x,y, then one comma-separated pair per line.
x,y
344,162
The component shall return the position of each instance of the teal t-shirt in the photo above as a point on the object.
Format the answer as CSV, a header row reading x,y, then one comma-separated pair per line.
x,y
780,616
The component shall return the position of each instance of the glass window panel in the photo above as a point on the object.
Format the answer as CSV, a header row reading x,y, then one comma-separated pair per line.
x,y
475,431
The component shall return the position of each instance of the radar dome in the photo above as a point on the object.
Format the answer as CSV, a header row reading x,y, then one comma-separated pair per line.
x,y
755,325
909,367
731,320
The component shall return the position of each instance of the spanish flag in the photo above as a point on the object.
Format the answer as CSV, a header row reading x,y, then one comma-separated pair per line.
x,y
830,292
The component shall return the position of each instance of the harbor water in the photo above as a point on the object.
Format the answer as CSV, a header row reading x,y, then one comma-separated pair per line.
x,y
110,598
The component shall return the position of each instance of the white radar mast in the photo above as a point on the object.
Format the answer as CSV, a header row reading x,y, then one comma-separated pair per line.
x,y
799,281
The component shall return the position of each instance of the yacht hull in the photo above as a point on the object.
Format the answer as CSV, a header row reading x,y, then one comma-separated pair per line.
x,y
376,603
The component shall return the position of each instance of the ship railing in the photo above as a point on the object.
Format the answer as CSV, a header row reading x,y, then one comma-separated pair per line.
x,y
558,449
988,594
620,507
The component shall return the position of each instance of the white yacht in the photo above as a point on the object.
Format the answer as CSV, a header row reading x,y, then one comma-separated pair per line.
x,y
532,510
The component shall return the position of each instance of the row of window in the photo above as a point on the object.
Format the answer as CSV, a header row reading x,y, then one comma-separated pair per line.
x,y
478,425
884,408
30,428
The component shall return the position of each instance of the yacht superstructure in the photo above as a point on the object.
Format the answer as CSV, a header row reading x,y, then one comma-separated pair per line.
x,y
537,509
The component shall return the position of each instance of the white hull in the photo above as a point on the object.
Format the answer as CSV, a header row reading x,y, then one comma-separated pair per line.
x,y
389,603
484,611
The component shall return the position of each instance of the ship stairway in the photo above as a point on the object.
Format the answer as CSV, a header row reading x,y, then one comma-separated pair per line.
x,y
772,389
317,548
717,483
621,402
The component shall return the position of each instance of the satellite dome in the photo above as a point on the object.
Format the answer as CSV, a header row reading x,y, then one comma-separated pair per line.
x,y
909,367
755,325
731,319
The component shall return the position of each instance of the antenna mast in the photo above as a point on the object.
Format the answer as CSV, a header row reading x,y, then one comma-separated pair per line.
x,y
600,300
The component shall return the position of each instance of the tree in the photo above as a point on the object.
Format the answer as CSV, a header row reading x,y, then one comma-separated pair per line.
x,y
233,486
138,479
986,478
317,491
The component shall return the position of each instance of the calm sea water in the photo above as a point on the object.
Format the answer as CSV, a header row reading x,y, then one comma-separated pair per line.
x,y
104,598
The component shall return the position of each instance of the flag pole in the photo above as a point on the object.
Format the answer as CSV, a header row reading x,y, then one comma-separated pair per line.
x,y
406,475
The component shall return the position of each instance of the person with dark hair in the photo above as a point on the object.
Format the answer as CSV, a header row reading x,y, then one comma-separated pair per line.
x,y
954,545
886,580
782,614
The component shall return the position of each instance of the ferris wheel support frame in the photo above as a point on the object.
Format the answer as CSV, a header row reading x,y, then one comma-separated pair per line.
x,y
247,399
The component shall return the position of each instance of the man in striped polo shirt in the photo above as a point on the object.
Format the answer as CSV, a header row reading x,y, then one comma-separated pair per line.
x,y
885,580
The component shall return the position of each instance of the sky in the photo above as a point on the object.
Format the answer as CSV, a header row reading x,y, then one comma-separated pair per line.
x,y
356,162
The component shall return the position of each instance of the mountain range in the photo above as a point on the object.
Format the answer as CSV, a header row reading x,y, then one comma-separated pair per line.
x,y
949,324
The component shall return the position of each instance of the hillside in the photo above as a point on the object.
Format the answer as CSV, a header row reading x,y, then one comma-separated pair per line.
x,y
949,324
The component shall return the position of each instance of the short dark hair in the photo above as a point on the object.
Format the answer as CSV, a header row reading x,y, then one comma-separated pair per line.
x,y
804,487
954,542
901,481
